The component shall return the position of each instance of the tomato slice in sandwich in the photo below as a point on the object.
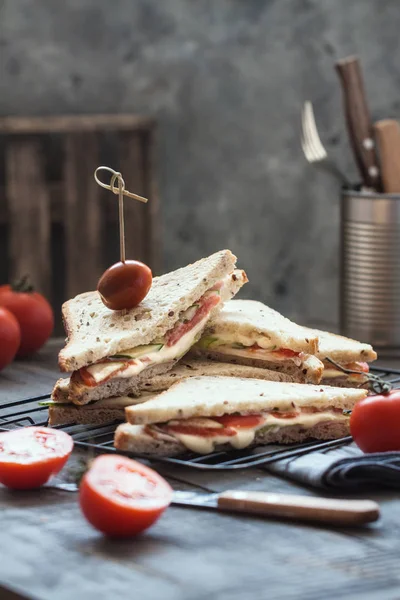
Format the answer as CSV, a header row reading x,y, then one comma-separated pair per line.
x,y
196,427
240,421
182,328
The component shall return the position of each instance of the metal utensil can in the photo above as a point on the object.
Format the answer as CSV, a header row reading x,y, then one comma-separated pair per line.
x,y
370,269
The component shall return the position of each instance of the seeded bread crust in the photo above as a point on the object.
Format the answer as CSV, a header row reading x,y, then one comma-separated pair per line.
x,y
341,349
89,415
343,382
94,331
310,371
216,396
133,439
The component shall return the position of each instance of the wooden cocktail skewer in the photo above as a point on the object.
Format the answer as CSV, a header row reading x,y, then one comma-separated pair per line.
x,y
120,191
127,283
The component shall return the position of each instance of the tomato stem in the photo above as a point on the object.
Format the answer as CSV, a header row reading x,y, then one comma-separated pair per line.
x,y
23,285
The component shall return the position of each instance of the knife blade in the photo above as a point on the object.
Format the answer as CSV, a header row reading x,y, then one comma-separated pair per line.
x,y
302,508
358,121
387,134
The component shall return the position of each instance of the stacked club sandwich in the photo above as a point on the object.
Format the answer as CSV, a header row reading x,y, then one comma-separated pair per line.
x,y
241,381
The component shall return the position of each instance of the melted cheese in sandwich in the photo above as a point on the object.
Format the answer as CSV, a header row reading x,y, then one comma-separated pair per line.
x,y
335,374
263,354
244,437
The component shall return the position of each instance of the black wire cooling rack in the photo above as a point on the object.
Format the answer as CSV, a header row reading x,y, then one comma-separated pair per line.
x,y
99,438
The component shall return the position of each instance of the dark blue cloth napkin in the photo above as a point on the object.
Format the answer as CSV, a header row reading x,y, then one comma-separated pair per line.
x,y
346,468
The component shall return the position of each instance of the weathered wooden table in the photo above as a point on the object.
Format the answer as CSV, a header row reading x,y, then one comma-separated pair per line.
x,y
48,551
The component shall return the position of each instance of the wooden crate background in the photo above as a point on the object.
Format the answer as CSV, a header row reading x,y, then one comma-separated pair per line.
x,y
56,223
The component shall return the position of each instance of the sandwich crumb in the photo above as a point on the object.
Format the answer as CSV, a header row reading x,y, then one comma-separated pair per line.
x,y
261,394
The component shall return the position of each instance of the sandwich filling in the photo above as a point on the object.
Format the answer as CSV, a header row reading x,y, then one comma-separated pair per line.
x,y
331,373
261,349
202,435
175,343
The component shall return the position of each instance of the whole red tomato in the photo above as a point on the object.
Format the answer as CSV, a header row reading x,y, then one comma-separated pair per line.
x,y
10,336
33,313
375,423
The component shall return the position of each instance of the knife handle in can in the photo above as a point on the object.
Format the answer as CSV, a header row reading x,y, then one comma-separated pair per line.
x,y
387,134
358,121
304,508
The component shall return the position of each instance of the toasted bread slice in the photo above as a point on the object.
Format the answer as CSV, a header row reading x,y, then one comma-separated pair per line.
x,y
216,396
95,332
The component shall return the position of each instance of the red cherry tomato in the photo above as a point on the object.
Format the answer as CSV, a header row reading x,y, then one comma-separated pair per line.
x,y
125,285
122,497
375,423
31,455
10,337
33,313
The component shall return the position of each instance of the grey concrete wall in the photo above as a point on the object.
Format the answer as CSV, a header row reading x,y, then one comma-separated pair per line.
x,y
226,79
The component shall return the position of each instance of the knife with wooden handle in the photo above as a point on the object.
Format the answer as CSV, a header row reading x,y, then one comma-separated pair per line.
x,y
302,508
330,511
358,121
387,135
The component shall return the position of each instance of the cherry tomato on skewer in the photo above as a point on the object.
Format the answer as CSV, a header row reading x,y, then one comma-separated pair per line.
x,y
125,284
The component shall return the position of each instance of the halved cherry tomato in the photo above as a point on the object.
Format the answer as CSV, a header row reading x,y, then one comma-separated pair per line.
x,y
31,455
33,313
181,328
125,285
122,497
240,421
188,429
375,423
10,336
